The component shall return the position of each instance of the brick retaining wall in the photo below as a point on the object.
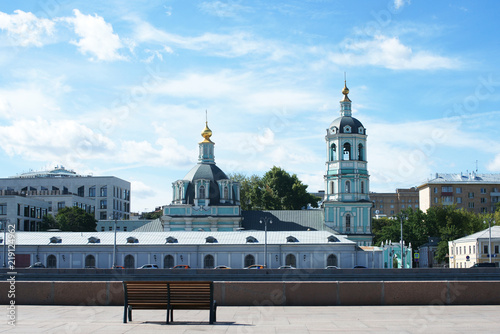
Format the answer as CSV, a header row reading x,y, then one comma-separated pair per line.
x,y
274,293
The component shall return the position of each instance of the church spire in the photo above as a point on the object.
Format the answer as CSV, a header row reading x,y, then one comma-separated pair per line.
x,y
345,103
206,154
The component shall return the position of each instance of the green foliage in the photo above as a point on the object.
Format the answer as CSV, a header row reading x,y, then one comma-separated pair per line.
x,y
445,222
152,215
74,219
276,190
48,223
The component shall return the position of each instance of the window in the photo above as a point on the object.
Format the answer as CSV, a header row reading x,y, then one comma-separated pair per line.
x,y
485,249
347,187
347,152
436,200
210,240
496,249
348,223
249,260
483,200
360,152
208,262
129,261
347,129
290,260
168,261
458,190
331,260
102,228
201,192
435,190
459,200
471,195
3,209
51,261
90,261
104,191
81,191
333,152
447,189
332,187
251,239
362,187
473,249
471,205
226,192
92,192
470,248
103,204
483,190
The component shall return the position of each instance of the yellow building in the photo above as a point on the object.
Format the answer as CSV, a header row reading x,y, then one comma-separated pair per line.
x,y
472,249
390,204
478,193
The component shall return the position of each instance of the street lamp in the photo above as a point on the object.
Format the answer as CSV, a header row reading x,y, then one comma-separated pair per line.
x,y
115,217
402,243
265,220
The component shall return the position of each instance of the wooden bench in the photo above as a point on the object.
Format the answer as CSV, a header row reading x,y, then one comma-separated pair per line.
x,y
151,295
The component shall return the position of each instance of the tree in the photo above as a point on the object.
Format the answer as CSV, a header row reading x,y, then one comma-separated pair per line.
x,y
152,215
276,190
75,219
48,223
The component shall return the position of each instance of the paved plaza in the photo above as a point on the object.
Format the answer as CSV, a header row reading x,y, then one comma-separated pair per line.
x,y
257,319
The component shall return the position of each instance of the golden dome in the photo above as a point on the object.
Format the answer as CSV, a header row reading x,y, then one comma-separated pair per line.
x,y
206,133
345,91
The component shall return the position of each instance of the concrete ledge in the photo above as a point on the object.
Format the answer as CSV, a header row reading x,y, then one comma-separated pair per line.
x,y
301,293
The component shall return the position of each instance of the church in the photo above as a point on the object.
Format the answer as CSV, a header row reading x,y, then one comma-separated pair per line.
x,y
207,200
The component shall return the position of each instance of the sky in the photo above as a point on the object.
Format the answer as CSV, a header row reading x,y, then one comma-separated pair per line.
x,y
121,88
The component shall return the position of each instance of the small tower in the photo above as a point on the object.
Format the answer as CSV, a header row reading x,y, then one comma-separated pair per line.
x,y
205,199
347,203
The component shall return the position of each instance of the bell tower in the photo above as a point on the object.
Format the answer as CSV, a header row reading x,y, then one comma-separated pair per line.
x,y
347,203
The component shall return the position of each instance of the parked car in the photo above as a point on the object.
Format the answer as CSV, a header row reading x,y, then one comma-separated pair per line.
x,y
148,266
484,265
117,267
37,265
255,266
222,267
181,266
287,267
331,267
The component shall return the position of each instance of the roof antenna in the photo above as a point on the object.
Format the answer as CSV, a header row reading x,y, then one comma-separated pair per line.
x,y
476,166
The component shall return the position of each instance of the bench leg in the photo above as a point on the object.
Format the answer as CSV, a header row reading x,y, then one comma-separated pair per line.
x,y
129,313
125,314
170,314
213,313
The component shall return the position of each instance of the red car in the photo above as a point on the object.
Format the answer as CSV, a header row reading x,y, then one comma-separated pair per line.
x,y
181,266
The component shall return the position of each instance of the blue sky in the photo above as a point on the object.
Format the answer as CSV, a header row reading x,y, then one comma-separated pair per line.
x,y
121,88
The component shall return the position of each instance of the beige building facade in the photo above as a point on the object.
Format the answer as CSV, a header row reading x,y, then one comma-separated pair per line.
x,y
390,204
478,193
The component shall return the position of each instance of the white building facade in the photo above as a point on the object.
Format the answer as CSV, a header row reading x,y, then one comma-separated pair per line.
x,y
238,249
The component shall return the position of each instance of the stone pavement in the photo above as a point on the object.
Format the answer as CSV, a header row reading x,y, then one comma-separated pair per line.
x,y
257,319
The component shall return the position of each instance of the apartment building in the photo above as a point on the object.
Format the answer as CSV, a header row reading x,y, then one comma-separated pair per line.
x,y
103,196
390,204
478,193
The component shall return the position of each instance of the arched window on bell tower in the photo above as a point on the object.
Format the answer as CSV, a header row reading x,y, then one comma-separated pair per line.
x,y
347,152
180,192
362,187
347,187
332,187
333,152
202,192
360,152
348,223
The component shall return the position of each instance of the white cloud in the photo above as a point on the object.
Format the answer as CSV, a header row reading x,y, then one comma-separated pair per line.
x,y
236,44
223,9
25,29
389,52
96,37
398,4
59,140
494,166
